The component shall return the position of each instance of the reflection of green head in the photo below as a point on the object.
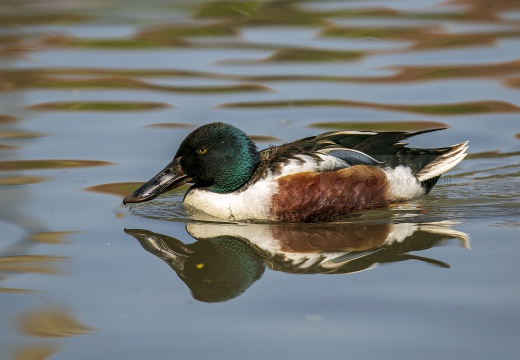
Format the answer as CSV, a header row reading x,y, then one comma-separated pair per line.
x,y
221,268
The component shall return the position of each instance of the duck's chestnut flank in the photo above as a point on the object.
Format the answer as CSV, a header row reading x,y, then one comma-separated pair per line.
x,y
311,179
311,196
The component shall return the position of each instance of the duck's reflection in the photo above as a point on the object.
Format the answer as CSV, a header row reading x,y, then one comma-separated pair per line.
x,y
228,258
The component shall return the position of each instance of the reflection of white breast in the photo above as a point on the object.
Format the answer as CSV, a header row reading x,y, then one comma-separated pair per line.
x,y
260,238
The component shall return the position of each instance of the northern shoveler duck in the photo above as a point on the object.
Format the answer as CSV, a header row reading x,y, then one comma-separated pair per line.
x,y
310,179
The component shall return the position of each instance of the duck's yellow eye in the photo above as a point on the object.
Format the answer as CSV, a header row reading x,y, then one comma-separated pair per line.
x,y
202,150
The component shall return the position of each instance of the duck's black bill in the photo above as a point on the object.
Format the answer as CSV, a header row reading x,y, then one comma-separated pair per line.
x,y
159,244
171,177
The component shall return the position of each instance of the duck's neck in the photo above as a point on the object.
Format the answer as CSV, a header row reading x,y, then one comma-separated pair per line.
x,y
237,169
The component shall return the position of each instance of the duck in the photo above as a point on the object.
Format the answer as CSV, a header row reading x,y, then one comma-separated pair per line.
x,y
313,179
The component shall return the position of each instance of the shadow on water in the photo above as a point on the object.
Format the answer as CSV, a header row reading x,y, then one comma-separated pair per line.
x,y
227,259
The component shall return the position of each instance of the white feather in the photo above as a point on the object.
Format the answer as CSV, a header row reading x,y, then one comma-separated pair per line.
x,y
399,232
236,206
403,184
306,163
354,132
444,162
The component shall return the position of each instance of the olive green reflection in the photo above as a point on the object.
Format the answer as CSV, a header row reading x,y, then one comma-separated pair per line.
x,y
6,119
116,79
228,18
13,80
51,321
19,165
35,352
124,188
98,106
425,37
475,107
227,259
380,125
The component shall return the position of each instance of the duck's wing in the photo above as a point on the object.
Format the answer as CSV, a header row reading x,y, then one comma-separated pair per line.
x,y
335,150
354,148
307,155
317,148
425,164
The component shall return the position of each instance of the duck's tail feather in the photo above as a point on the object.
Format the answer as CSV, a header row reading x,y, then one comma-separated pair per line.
x,y
443,163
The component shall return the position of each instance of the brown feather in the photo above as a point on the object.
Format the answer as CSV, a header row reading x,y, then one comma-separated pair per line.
x,y
309,196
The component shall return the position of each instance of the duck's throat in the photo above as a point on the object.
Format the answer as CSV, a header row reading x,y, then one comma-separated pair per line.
x,y
232,176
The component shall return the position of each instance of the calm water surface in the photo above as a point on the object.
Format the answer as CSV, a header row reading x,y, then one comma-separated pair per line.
x,y
95,98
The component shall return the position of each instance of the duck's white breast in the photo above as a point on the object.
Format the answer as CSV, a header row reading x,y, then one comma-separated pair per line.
x,y
252,203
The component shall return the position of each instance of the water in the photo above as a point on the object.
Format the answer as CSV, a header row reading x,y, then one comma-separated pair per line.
x,y
96,97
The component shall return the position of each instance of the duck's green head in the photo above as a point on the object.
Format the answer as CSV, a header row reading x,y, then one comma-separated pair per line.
x,y
217,156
